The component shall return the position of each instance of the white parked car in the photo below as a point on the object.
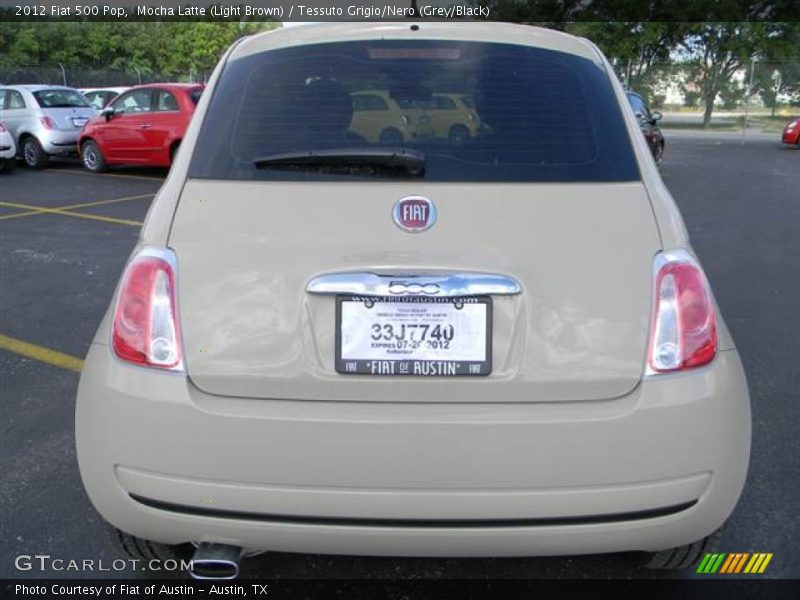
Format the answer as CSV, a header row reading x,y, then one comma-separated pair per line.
x,y
8,150
100,97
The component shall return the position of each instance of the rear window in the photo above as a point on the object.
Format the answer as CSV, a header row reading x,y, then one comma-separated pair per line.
x,y
60,99
195,94
637,104
529,114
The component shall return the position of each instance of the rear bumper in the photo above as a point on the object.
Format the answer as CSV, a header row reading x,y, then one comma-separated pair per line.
x,y
657,468
7,147
60,142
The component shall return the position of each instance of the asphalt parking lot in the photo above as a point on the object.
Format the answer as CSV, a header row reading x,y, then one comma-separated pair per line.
x,y
65,235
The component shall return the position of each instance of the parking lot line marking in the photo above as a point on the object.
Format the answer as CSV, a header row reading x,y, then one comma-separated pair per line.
x,y
123,175
39,210
58,211
40,353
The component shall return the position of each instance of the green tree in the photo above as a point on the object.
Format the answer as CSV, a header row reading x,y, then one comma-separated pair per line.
x,y
638,50
172,49
716,52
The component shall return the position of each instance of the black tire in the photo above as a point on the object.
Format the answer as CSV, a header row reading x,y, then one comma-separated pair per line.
x,y
173,151
130,546
7,165
659,153
391,135
459,134
681,557
92,157
33,154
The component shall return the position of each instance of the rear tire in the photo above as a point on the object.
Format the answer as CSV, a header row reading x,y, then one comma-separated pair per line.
x,y
7,165
659,154
390,135
130,546
33,154
682,557
92,157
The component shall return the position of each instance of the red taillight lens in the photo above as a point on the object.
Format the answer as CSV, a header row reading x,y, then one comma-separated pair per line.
x,y
145,329
684,329
48,123
2,128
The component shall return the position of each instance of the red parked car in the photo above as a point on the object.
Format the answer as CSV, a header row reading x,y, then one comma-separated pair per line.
x,y
791,133
143,126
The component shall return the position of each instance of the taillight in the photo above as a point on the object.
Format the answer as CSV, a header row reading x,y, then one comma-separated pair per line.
x,y
2,128
48,123
683,333
145,329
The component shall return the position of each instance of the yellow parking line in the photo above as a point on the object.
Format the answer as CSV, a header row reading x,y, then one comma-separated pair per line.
x,y
58,211
40,210
40,353
124,176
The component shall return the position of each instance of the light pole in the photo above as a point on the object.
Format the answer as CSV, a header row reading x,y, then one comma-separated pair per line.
x,y
753,61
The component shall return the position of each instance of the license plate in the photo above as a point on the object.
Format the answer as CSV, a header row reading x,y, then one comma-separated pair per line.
x,y
79,121
407,335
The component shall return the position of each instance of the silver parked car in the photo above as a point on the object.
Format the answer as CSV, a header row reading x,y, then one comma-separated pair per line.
x,y
45,120
500,345
8,150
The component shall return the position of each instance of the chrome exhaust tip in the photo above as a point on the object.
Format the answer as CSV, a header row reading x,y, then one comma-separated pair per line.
x,y
215,561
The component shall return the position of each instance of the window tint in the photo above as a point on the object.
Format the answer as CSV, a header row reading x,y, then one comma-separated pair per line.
x,y
539,115
369,102
134,102
165,101
14,100
444,103
58,98
194,95
637,104
468,101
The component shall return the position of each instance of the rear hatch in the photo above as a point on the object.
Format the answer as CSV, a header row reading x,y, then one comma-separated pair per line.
x,y
552,205
68,109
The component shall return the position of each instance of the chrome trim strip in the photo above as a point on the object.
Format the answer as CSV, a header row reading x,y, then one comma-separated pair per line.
x,y
443,285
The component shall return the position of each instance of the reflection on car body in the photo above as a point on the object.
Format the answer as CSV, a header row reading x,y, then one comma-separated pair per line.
x,y
377,116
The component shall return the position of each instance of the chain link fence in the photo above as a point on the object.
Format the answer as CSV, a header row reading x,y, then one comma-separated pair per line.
x,y
83,77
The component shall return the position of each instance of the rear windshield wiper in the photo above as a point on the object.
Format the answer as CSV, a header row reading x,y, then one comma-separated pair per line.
x,y
348,160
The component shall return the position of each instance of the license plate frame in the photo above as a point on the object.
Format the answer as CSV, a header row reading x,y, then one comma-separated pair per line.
x,y
414,367
81,120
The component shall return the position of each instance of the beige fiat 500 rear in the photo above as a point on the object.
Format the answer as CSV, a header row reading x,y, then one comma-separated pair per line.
x,y
483,345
